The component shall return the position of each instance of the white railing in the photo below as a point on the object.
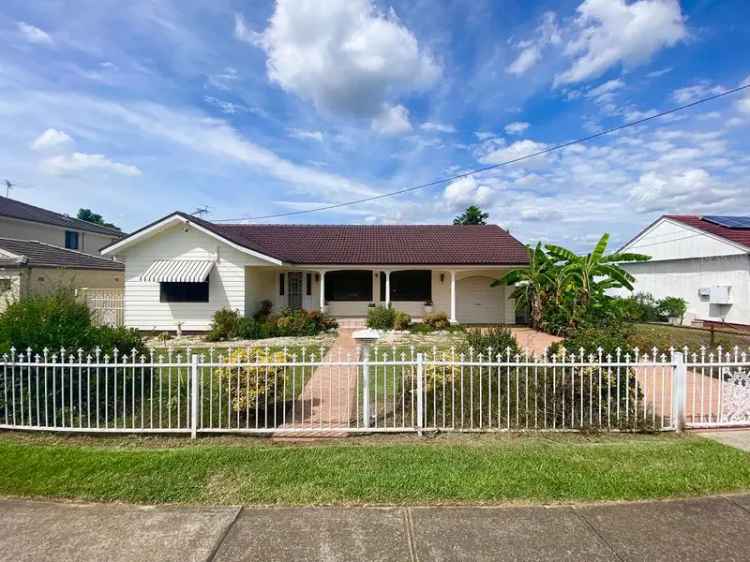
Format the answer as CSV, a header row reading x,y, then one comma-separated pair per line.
x,y
393,390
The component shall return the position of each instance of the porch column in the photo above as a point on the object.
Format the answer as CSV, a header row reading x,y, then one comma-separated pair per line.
x,y
387,288
322,291
453,298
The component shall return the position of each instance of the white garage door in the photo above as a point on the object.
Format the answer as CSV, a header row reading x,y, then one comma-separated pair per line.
x,y
477,302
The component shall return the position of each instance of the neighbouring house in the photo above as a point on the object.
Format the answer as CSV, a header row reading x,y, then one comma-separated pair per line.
x,y
702,259
21,221
182,269
30,267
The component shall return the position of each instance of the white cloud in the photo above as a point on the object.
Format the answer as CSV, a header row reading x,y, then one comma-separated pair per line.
x,y
548,33
33,34
696,92
81,162
243,33
50,139
659,192
437,127
466,191
611,32
516,128
302,134
484,135
494,152
660,72
225,106
345,56
605,92
392,120
744,105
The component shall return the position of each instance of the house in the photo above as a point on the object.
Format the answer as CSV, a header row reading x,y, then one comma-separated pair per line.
x,y
182,269
30,267
702,259
21,221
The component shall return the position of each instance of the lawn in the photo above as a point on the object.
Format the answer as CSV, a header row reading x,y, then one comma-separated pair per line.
x,y
395,470
664,336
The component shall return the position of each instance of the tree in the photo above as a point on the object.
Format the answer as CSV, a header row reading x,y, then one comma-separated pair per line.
x,y
89,216
472,215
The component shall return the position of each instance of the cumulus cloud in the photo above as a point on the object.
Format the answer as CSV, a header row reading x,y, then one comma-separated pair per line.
x,y
392,120
547,33
51,139
495,152
605,92
33,34
302,134
437,127
516,128
611,32
81,162
696,92
344,56
466,191
660,192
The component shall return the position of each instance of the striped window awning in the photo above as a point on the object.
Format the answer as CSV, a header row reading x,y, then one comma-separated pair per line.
x,y
178,271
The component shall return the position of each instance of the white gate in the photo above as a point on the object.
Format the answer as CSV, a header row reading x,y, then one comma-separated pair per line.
x,y
107,305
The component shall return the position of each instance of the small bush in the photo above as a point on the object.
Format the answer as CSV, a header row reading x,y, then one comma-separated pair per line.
x,y
264,311
437,321
608,338
500,340
672,307
323,322
225,325
229,324
380,317
401,320
250,386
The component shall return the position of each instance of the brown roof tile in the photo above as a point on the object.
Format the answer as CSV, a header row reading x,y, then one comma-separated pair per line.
x,y
39,254
24,211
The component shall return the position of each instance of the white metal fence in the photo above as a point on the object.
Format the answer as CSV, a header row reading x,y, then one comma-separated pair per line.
x,y
393,390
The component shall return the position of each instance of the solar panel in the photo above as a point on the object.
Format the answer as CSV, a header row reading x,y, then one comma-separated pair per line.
x,y
728,222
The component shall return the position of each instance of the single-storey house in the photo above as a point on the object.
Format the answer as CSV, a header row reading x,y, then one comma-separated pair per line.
x,y
702,259
181,269
31,267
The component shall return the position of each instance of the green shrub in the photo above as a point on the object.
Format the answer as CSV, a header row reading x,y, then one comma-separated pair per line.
x,y
500,340
225,325
608,338
323,322
401,320
264,311
672,307
437,321
380,317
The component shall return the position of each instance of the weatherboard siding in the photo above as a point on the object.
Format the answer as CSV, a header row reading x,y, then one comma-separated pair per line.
x,y
227,280
668,240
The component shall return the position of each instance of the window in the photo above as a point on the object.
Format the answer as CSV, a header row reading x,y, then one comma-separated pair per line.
x,y
348,286
414,285
308,284
72,241
183,292
282,279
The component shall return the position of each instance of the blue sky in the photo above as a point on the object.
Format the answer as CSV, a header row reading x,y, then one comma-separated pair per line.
x,y
138,108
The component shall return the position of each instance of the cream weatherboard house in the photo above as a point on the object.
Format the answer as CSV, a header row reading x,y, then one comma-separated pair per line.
x,y
181,269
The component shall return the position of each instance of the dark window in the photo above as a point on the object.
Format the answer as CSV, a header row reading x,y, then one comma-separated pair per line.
x,y
349,286
282,279
308,283
414,285
71,240
183,292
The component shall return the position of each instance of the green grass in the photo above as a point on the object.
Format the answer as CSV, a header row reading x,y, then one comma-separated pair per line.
x,y
454,469
664,336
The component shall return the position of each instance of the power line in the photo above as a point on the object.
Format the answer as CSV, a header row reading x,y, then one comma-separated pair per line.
x,y
554,148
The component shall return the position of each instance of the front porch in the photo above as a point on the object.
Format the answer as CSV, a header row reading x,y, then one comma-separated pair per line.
x,y
465,295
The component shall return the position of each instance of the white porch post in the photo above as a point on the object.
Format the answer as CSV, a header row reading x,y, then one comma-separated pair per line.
x,y
453,298
387,289
322,291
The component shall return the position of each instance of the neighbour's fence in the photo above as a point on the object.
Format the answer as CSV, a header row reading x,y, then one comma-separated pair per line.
x,y
396,390
107,305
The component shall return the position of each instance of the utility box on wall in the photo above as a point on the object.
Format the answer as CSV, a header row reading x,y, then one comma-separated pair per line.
x,y
720,294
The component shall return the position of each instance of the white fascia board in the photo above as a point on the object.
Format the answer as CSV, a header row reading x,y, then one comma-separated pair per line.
x,y
178,219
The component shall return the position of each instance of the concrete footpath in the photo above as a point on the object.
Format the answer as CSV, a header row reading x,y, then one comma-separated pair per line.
x,y
715,528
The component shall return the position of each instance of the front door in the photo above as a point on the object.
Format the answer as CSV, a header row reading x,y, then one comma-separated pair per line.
x,y
295,289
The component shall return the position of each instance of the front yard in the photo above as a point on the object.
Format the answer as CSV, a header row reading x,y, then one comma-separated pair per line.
x,y
385,470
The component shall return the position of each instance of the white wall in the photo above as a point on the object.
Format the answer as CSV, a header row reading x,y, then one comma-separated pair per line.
x,y
226,282
90,243
683,278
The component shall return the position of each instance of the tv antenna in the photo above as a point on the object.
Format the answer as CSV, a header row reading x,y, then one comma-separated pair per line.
x,y
8,186
200,211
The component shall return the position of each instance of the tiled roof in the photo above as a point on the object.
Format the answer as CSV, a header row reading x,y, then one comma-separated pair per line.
x,y
38,254
376,244
24,211
737,235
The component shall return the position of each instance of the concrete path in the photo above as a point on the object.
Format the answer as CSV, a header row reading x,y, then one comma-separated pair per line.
x,y
716,528
738,438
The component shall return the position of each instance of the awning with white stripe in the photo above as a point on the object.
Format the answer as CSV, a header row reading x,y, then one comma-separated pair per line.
x,y
178,271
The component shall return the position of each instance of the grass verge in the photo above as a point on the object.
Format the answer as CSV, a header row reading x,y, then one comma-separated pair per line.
x,y
452,469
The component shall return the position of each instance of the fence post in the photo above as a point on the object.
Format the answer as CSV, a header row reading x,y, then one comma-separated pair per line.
x,y
194,396
365,385
679,390
420,392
